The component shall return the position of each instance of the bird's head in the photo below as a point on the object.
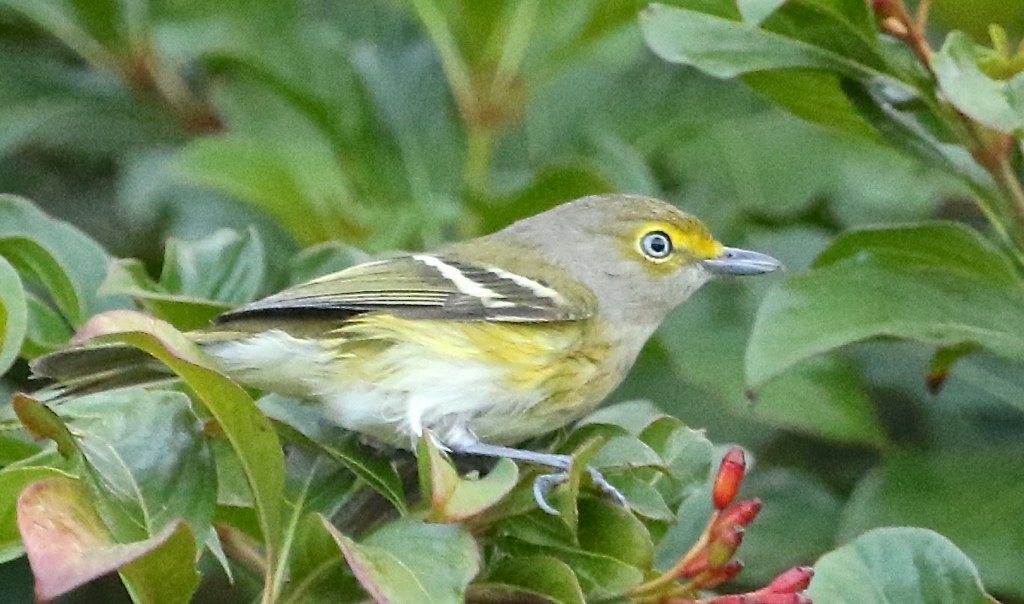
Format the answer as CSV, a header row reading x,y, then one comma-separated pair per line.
x,y
640,256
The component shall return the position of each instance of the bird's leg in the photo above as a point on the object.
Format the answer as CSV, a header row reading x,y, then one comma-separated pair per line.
x,y
544,483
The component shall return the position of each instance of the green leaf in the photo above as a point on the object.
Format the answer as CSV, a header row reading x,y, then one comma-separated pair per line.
x,y
150,460
686,451
823,398
67,544
428,146
771,164
36,262
453,498
47,329
308,420
754,12
409,561
322,259
915,131
13,316
129,277
550,186
725,48
316,487
607,528
600,574
41,422
15,447
300,185
317,571
543,576
813,95
905,565
940,245
844,27
998,104
644,499
225,267
167,574
250,433
59,20
925,282
683,456
625,453
633,416
971,496
60,256
200,279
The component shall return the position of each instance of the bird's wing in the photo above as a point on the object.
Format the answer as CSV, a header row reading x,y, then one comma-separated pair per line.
x,y
423,286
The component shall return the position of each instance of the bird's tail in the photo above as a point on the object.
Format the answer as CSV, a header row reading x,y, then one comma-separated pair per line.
x,y
97,368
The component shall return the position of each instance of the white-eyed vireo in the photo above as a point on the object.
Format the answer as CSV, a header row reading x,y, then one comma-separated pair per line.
x,y
484,343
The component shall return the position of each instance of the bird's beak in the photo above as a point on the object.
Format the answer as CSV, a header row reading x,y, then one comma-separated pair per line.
x,y
735,261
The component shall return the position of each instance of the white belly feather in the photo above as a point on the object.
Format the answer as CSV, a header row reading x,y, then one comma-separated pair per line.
x,y
456,400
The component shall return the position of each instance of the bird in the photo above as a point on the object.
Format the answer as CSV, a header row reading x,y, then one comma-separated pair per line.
x,y
481,344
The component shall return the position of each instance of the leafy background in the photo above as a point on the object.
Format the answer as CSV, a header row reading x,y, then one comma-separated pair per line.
x,y
231,148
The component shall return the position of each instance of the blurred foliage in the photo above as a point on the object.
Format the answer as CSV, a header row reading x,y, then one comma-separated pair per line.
x,y
211,153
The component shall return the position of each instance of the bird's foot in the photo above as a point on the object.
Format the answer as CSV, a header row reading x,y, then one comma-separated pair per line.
x,y
544,483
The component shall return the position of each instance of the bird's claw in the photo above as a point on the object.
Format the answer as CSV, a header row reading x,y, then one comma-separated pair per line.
x,y
546,482
543,485
607,488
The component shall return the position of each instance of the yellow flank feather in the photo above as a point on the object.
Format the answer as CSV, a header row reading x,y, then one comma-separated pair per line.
x,y
567,363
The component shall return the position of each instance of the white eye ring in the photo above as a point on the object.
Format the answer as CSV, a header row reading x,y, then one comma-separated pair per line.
x,y
656,245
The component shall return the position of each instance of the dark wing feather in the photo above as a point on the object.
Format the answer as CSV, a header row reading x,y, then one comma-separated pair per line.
x,y
421,286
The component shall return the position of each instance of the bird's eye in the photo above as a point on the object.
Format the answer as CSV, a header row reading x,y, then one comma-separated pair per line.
x,y
656,245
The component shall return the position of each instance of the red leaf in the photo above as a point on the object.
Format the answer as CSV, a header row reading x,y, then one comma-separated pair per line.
x,y
66,542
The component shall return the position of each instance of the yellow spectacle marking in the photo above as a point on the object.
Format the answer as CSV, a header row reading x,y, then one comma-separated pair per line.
x,y
689,238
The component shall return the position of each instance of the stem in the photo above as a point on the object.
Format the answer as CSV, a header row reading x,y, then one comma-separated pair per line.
x,y
280,575
994,159
80,41
451,59
1007,179
241,548
668,577
921,18
476,173
516,43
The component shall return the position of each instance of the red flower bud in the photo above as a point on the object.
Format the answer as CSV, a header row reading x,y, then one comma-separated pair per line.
x,y
883,8
783,599
792,581
729,478
758,598
723,575
895,27
722,548
715,555
738,514
695,566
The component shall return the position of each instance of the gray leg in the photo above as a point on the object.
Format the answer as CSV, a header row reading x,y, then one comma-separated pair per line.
x,y
544,483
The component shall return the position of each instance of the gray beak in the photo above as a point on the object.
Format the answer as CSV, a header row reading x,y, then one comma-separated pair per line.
x,y
735,261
